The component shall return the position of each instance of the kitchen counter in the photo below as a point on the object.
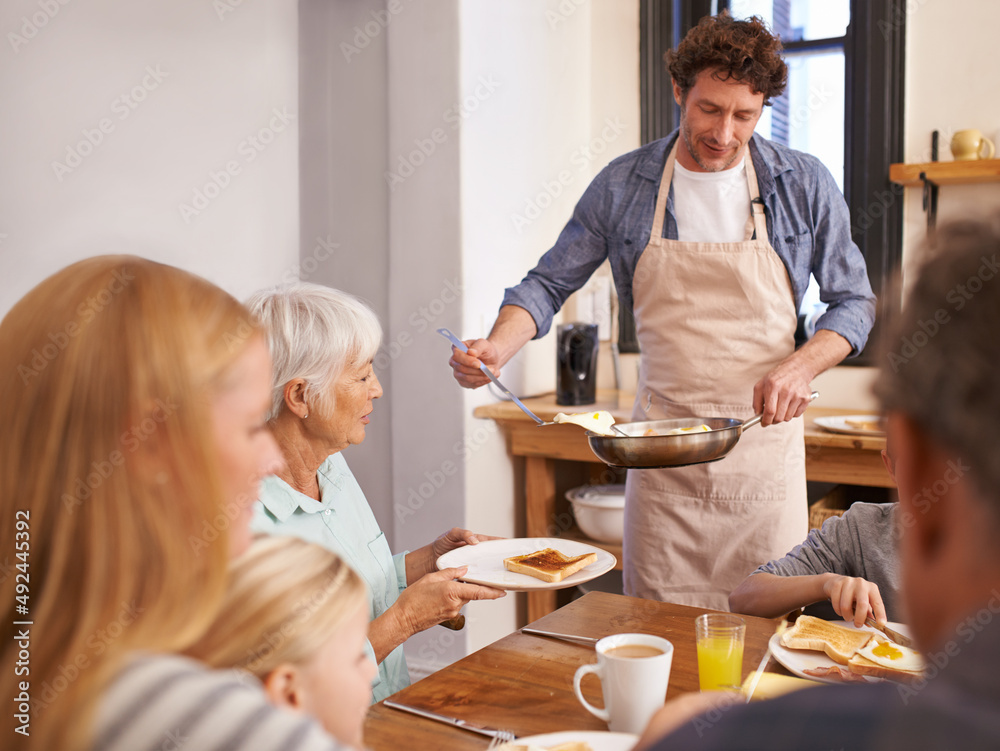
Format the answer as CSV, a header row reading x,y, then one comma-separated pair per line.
x,y
830,457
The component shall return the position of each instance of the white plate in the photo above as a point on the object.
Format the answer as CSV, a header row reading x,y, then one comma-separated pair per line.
x,y
797,661
840,424
485,562
599,740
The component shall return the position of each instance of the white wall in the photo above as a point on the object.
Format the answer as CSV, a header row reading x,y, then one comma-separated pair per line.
x,y
427,129
345,198
951,89
949,68
198,87
566,104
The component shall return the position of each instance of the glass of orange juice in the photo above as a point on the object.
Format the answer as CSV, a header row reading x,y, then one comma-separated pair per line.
x,y
719,638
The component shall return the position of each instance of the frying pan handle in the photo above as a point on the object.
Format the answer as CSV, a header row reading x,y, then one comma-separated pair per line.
x,y
757,418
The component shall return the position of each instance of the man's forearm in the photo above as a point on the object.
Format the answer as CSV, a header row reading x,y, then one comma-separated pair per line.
x,y
824,350
513,329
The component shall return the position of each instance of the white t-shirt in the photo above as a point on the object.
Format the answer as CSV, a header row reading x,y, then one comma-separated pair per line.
x,y
711,206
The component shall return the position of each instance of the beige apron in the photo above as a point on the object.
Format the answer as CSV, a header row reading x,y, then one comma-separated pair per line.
x,y
712,319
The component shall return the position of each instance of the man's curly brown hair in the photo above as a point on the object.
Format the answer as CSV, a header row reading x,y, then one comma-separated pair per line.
x,y
744,51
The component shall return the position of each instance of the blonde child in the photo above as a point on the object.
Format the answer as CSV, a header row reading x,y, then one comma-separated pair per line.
x,y
296,617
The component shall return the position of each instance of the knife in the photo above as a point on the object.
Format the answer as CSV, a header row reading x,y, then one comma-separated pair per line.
x,y
763,662
505,735
895,636
555,635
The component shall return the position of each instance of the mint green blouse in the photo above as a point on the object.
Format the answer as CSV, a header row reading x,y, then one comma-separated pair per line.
x,y
342,521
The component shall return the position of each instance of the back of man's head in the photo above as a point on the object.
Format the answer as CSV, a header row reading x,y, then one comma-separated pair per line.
x,y
942,359
940,385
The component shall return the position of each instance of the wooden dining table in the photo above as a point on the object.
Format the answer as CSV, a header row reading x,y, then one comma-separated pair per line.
x,y
524,683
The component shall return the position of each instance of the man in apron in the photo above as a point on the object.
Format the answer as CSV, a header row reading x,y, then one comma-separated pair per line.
x,y
712,234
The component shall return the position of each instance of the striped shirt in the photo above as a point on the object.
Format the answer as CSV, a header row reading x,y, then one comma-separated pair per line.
x,y
171,702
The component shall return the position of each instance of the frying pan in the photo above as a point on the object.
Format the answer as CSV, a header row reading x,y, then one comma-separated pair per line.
x,y
639,451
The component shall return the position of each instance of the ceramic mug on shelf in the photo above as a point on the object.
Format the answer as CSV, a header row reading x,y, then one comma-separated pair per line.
x,y
971,144
634,670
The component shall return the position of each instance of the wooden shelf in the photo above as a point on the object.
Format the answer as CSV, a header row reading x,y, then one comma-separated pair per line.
x,y
947,173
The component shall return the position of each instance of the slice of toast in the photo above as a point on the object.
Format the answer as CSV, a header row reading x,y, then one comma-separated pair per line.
x,y
549,565
572,746
815,634
861,665
874,424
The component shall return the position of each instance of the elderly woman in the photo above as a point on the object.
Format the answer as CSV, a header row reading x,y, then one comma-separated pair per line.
x,y
322,342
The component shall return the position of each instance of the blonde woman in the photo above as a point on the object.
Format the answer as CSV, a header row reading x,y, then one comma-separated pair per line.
x,y
134,442
296,617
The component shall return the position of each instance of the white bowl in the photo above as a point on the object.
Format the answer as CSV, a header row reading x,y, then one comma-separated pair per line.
x,y
600,511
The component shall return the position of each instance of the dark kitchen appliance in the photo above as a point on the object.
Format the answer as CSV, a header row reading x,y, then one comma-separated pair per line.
x,y
576,363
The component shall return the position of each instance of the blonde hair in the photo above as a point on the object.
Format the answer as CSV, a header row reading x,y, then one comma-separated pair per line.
x,y
111,366
286,598
314,332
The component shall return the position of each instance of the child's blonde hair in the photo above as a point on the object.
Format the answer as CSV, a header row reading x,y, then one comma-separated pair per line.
x,y
286,598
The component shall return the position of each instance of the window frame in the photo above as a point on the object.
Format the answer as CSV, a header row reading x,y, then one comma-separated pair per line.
x,y
874,56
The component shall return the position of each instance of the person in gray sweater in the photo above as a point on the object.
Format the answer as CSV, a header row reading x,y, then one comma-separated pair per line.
x,y
851,561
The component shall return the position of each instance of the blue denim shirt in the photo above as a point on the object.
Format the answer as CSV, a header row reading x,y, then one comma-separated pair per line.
x,y
808,225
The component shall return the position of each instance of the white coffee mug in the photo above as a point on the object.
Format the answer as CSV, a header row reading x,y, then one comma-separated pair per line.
x,y
634,670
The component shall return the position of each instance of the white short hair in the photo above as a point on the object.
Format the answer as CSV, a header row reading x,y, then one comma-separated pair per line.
x,y
314,332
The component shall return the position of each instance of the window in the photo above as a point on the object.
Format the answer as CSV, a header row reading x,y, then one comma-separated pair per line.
x,y
843,104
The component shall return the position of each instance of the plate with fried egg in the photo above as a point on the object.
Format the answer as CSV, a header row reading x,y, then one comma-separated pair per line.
x,y
879,651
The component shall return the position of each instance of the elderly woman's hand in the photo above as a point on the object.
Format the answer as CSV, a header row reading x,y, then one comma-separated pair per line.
x,y
457,538
423,560
427,602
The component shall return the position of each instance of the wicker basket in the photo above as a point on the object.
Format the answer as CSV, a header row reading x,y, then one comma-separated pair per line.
x,y
834,503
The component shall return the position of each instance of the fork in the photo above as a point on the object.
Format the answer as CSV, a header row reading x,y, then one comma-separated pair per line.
x,y
502,736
